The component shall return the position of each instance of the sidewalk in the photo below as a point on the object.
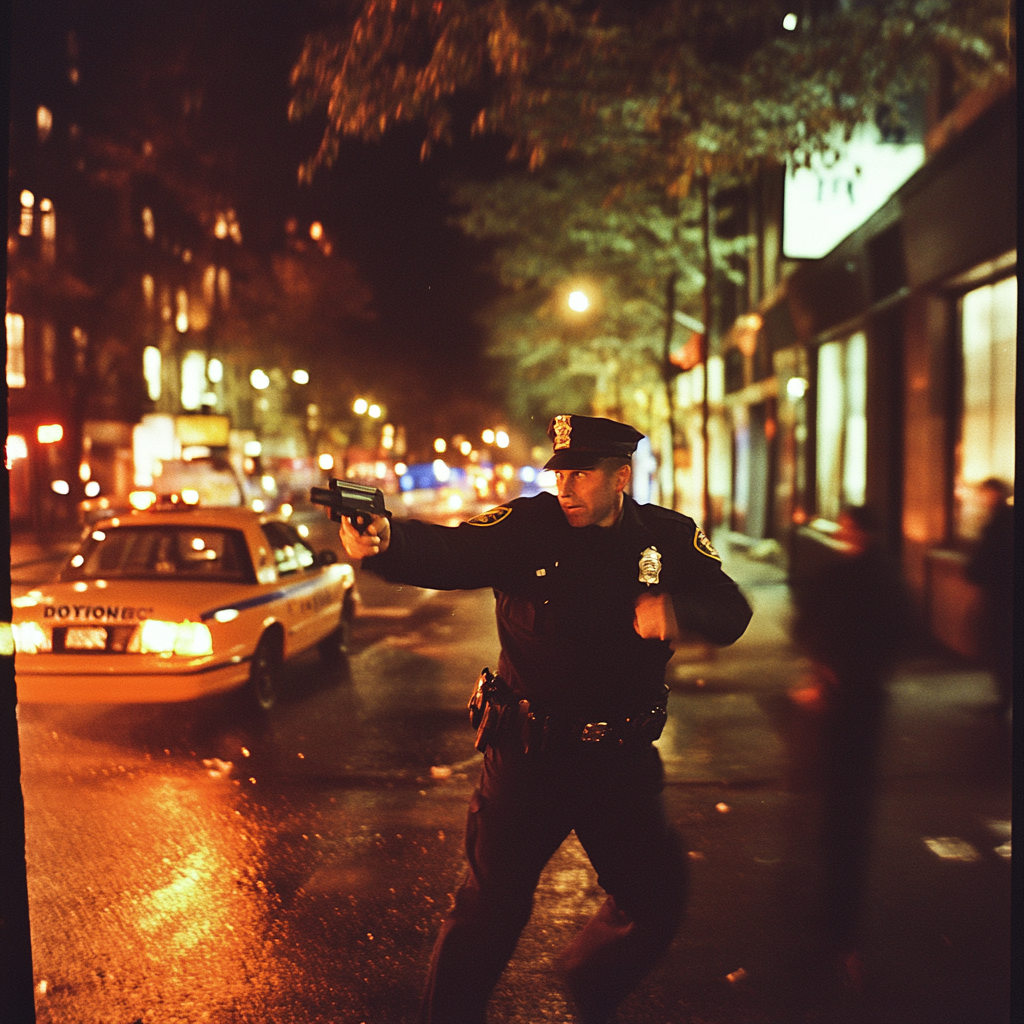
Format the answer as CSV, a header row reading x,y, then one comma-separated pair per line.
x,y
34,559
741,775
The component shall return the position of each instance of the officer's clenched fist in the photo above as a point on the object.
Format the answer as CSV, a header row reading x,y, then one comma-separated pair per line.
x,y
363,545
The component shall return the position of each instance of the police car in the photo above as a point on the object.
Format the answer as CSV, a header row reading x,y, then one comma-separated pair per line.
x,y
172,604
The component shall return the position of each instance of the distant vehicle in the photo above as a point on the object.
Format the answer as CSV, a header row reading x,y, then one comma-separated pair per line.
x,y
175,604
213,480
210,481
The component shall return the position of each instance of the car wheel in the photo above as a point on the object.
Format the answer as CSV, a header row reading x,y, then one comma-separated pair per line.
x,y
264,673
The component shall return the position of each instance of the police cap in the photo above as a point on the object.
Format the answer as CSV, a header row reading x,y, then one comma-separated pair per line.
x,y
581,442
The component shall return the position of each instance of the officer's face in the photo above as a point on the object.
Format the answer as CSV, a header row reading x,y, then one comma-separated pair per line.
x,y
592,497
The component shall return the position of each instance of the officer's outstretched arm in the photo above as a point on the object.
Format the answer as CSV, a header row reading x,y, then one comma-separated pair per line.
x,y
374,541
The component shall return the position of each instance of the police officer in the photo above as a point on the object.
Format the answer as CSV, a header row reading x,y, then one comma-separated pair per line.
x,y
592,591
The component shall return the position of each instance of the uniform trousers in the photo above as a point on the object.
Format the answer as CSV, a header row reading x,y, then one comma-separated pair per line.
x,y
524,807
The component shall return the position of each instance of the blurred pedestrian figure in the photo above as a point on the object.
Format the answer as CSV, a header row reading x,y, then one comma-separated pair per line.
x,y
991,570
853,618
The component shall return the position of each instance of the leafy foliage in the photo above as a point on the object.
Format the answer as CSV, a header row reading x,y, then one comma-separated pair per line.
x,y
574,224
683,86
624,105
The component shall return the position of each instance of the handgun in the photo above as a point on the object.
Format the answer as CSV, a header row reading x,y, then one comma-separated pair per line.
x,y
356,502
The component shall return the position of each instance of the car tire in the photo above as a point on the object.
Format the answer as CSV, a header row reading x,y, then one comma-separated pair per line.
x,y
264,673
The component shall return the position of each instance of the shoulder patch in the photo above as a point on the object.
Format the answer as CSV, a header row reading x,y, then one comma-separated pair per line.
x,y
491,516
703,545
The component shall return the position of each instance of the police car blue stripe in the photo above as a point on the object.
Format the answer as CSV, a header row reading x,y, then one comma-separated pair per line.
x,y
255,602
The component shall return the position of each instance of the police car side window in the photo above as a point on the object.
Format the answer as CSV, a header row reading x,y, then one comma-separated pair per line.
x,y
291,553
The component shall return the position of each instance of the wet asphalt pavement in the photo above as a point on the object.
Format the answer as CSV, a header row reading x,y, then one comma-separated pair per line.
x,y
188,865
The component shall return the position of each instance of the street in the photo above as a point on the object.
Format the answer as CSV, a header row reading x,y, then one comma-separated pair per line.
x,y
187,865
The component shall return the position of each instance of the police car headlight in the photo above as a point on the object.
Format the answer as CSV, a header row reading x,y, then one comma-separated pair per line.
x,y
188,639
31,638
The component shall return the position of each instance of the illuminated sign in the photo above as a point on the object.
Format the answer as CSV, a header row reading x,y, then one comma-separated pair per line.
x,y
202,430
828,200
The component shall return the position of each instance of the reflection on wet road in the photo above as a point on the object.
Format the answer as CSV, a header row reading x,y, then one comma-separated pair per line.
x,y
188,864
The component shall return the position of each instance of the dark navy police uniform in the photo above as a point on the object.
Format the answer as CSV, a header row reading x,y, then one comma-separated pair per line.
x,y
565,600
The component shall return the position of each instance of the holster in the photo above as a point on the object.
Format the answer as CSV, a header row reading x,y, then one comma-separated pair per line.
x,y
486,708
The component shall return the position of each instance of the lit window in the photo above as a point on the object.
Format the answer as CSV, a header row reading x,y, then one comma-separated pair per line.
x,y
193,380
49,433
209,284
181,318
16,449
48,230
81,340
988,319
151,363
28,202
224,286
841,425
15,350
44,122
49,346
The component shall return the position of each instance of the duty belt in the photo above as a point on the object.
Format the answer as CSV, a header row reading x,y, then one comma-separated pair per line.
x,y
494,709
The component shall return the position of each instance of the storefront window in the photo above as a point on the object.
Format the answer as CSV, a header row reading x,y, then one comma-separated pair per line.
x,y
15,350
987,447
841,425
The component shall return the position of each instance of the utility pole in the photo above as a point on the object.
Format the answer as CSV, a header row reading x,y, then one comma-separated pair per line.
x,y
705,230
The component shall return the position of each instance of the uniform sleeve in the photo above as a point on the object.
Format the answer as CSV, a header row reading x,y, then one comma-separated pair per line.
x,y
706,600
474,554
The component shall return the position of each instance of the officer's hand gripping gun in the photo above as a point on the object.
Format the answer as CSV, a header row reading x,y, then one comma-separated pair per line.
x,y
356,502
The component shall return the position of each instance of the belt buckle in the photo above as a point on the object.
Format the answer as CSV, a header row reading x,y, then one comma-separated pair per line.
x,y
595,732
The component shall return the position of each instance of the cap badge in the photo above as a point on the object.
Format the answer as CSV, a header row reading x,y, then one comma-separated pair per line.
x,y
650,566
563,428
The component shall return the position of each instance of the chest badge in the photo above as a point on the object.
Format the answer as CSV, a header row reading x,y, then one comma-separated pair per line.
x,y
650,566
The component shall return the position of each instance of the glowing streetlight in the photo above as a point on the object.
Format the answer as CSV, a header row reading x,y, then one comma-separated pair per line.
x,y
300,376
501,438
487,436
259,380
578,301
440,445
374,412
359,406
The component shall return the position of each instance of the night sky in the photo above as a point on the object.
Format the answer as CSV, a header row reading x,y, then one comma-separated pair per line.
x,y
384,209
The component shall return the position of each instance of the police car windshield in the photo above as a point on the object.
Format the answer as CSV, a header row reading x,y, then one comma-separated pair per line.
x,y
203,554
